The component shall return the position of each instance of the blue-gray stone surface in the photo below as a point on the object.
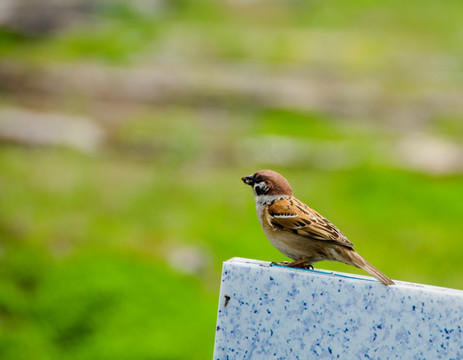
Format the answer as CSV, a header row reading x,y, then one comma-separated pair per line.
x,y
273,312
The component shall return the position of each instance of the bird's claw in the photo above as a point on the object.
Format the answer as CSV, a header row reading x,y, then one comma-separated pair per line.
x,y
294,264
281,263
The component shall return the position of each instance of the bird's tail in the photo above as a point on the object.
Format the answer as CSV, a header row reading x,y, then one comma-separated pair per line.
x,y
361,263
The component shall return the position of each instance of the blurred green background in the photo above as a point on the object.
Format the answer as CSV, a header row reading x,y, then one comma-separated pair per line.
x,y
125,128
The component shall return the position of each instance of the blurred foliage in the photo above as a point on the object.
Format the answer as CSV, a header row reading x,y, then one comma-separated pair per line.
x,y
88,241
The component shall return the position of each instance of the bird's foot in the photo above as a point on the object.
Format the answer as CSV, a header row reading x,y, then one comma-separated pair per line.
x,y
308,267
299,264
281,263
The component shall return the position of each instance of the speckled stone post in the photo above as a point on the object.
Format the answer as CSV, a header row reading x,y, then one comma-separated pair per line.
x,y
273,312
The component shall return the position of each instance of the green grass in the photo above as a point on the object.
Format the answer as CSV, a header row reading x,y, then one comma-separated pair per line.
x,y
84,267
86,240
82,263
357,34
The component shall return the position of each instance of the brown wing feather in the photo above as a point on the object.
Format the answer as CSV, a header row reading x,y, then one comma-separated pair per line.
x,y
292,215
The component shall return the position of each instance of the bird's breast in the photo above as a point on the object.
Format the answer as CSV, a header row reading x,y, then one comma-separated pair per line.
x,y
292,245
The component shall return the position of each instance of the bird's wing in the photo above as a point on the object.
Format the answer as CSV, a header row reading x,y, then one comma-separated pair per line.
x,y
292,215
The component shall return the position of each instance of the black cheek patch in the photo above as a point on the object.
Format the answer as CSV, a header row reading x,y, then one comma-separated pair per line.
x,y
261,188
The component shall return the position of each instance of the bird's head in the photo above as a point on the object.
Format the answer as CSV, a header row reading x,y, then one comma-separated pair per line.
x,y
268,182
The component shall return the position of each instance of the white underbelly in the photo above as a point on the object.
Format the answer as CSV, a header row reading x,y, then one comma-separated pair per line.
x,y
284,241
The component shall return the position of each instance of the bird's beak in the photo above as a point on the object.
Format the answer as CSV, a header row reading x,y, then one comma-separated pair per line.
x,y
249,180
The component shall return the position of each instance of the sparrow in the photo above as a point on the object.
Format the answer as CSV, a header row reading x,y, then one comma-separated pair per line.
x,y
298,231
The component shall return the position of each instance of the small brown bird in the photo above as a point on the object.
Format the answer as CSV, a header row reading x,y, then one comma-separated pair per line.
x,y
298,231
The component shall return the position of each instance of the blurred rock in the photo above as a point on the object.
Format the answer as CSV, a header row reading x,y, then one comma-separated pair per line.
x,y
50,129
237,84
423,153
430,154
43,17
148,7
40,17
289,151
187,259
